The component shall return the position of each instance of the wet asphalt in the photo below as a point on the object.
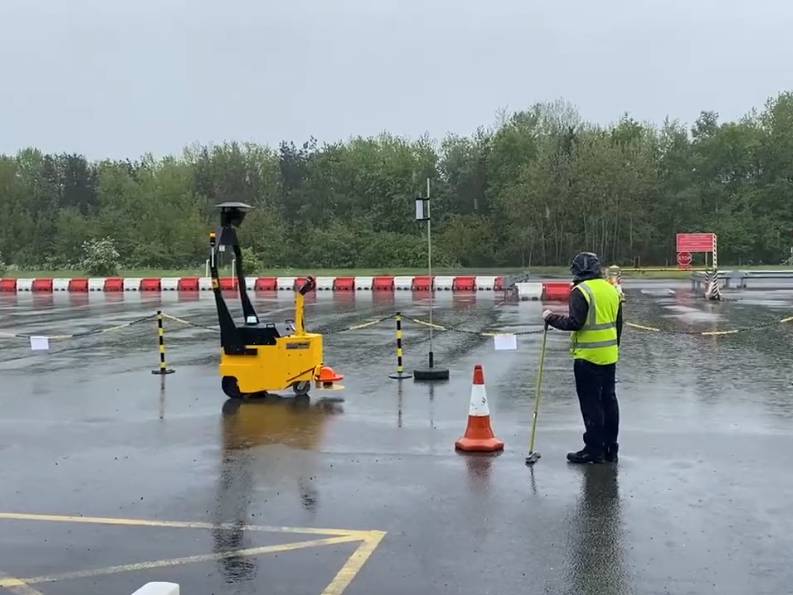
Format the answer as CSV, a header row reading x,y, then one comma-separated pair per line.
x,y
700,501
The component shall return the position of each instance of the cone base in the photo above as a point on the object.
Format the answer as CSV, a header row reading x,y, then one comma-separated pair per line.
x,y
479,444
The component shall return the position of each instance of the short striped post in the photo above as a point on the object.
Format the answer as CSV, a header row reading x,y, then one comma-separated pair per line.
x,y
163,369
400,373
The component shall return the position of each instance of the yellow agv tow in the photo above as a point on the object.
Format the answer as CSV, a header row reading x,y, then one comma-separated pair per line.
x,y
255,358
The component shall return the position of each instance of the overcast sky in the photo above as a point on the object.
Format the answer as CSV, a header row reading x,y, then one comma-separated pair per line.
x,y
117,78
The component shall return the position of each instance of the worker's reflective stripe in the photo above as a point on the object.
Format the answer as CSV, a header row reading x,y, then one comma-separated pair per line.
x,y
600,327
596,344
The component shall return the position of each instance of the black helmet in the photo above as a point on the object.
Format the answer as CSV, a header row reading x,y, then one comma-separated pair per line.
x,y
586,265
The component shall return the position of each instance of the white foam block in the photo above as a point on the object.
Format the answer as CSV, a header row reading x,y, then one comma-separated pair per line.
x,y
506,342
158,589
40,343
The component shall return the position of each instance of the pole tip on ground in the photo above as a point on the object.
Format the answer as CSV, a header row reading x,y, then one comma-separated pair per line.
x,y
160,372
431,374
532,458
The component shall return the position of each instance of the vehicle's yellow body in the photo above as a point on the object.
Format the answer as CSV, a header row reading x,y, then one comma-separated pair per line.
x,y
293,359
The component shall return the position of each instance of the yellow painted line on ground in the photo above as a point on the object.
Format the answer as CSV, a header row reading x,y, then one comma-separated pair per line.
x,y
354,564
138,566
370,540
125,522
16,586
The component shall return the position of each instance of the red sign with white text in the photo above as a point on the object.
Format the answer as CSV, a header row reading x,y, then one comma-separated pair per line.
x,y
695,242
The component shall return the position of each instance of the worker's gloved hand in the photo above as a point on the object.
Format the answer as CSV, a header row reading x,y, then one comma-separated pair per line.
x,y
546,315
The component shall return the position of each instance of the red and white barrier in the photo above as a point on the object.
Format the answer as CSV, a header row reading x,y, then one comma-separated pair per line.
x,y
384,283
403,283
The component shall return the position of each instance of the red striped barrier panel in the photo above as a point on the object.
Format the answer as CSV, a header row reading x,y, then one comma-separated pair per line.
x,y
383,284
464,284
344,284
78,285
228,283
187,284
8,285
555,291
42,285
114,284
150,284
266,284
422,283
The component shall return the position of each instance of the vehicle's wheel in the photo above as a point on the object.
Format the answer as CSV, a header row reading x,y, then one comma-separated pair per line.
x,y
301,388
230,387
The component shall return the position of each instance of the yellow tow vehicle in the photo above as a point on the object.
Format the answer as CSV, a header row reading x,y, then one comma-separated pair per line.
x,y
255,357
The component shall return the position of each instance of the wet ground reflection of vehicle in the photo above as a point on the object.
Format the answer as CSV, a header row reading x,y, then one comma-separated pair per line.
x,y
249,427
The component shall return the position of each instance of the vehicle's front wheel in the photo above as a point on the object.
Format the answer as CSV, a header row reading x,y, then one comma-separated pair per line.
x,y
230,387
301,388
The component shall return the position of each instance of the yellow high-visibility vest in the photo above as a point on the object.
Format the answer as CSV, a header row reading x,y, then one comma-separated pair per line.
x,y
596,342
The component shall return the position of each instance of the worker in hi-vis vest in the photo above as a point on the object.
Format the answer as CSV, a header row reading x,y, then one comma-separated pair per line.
x,y
595,317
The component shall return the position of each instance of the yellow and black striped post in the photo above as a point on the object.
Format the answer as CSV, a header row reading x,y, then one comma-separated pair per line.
x,y
163,369
400,373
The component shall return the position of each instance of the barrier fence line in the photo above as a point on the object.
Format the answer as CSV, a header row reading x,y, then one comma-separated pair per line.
x,y
470,332
96,331
364,325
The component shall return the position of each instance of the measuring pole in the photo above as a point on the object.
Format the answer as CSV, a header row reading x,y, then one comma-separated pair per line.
x,y
429,267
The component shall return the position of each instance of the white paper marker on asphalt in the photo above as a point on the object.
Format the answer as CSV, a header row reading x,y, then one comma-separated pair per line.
x,y
505,342
39,343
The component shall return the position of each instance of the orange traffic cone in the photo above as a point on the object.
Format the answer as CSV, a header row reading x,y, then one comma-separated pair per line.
x,y
479,435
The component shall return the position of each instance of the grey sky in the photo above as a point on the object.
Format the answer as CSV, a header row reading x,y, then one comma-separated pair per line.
x,y
114,79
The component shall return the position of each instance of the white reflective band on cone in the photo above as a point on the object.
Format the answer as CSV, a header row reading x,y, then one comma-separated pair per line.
x,y
478,406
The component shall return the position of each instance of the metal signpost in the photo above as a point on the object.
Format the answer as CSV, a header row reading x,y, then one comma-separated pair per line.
x,y
423,214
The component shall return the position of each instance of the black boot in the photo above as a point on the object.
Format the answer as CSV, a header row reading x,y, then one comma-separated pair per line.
x,y
611,453
583,457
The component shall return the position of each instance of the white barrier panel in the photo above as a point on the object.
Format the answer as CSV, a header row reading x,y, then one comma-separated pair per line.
x,y
286,283
132,284
325,283
250,283
363,283
403,283
205,283
485,283
96,284
60,284
444,283
24,285
169,283
158,589
529,291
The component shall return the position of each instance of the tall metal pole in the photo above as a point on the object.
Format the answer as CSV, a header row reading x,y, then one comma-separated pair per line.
x,y
429,265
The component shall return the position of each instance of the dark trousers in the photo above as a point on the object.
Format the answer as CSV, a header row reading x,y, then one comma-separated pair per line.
x,y
599,408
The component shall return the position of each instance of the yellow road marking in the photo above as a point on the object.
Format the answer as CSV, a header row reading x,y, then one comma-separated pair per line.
x,y
240,553
16,586
89,520
370,540
354,564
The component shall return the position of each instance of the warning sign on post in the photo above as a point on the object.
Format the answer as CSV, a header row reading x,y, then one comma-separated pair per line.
x,y
695,242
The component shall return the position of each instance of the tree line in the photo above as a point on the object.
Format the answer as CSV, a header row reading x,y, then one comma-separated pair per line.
x,y
531,190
